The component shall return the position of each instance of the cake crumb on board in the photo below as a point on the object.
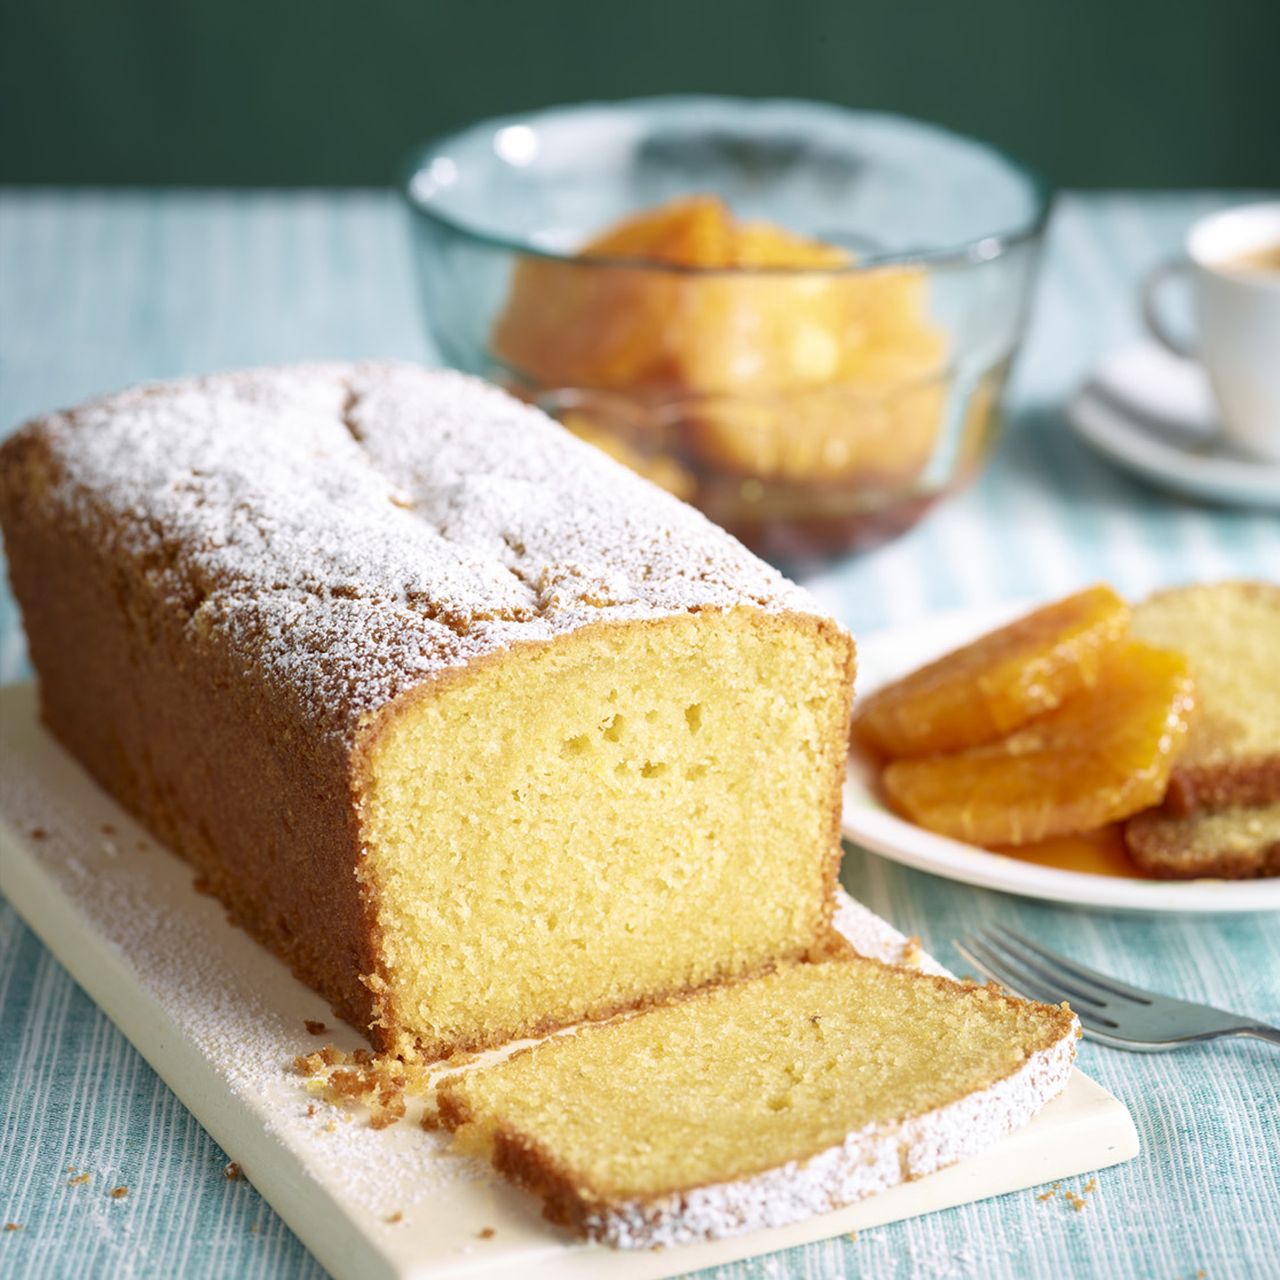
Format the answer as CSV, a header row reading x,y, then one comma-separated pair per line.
x,y
119,1193
231,1172
486,1233
80,1179
314,1026
13,1226
392,1218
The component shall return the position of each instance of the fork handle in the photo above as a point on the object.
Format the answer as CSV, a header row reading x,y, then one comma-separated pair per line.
x,y
1261,1032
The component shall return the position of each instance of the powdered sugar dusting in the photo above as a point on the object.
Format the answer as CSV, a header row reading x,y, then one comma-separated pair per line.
x,y
352,530
236,1004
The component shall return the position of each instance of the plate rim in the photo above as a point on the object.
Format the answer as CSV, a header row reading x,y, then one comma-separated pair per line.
x,y
868,824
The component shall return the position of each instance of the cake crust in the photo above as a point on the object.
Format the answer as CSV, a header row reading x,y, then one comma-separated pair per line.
x,y
866,1162
1230,844
231,584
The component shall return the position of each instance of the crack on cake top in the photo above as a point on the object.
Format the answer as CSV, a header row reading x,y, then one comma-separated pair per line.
x,y
352,530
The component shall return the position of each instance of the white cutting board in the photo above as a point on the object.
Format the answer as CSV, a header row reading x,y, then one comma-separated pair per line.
x,y
221,1020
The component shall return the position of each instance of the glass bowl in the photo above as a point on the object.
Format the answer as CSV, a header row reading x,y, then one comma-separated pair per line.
x,y
810,410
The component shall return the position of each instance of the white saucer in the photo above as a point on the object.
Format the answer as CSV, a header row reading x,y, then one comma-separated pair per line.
x,y
1154,414
885,656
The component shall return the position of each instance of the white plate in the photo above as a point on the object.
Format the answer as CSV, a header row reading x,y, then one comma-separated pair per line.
x,y
220,1020
1153,414
886,655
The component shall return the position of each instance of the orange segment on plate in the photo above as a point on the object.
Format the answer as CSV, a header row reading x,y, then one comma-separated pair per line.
x,y
997,683
1098,758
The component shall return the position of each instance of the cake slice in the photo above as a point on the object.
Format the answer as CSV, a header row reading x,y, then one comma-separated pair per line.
x,y
1230,632
1232,844
761,1102
480,732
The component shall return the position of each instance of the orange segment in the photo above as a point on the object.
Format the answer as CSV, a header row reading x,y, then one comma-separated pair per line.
x,y
693,232
792,369
1098,758
570,324
997,683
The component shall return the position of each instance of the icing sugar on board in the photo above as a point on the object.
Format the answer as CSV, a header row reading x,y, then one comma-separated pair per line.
x,y
221,1021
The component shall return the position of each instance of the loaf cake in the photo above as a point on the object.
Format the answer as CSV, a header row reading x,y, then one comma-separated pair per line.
x,y
1230,632
479,731
761,1102
1232,844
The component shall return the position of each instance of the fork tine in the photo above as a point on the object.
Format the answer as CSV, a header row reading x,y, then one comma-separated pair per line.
x,y
989,963
994,966
1078,971
1087,993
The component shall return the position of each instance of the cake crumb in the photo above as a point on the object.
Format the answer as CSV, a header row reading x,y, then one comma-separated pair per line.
x,y
853,1235
486,1233
912,952
231,1172
80,1179
1047,1195
37,833
379,1082
17,1226
392,1218
315,1026
311,1108
1075,1201
107,829
119,1193
1091,1185
253,1230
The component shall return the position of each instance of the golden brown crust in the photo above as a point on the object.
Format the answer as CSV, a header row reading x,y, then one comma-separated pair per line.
x,y
1184,848
194,745
1223,786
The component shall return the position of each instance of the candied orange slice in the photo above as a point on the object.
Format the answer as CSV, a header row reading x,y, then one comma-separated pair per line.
x,y
694,232
999,682
762,244
1098,758
590,324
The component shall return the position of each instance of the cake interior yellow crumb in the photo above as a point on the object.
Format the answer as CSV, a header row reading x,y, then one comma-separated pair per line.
x,y
748,1076
1230,632
635,810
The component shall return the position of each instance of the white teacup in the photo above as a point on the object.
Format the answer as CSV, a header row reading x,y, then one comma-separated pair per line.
x,y
1237,306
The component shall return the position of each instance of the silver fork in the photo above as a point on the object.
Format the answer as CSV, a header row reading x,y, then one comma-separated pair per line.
x,y
1110,1011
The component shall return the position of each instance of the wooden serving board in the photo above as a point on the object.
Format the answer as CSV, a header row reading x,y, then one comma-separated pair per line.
x,y
221,1020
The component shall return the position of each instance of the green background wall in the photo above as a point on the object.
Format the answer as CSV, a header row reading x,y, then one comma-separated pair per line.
x,y
290,92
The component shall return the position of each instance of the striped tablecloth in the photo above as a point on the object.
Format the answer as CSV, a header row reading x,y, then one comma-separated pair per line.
x,y
98,290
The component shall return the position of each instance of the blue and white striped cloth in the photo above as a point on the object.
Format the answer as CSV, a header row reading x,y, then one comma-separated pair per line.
x,y
100,290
